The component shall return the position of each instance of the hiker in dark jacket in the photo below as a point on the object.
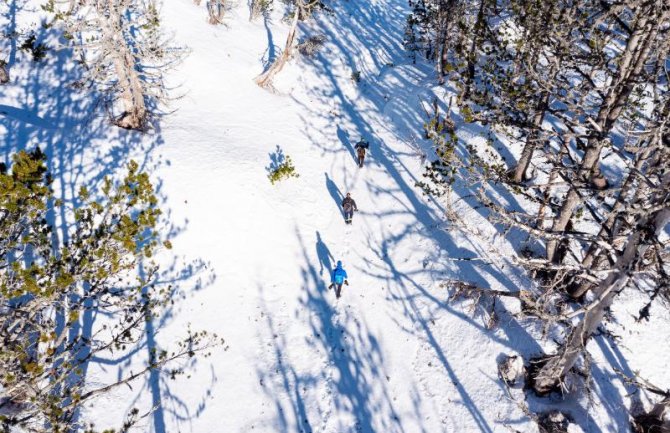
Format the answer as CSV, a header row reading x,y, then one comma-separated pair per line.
x,y
349,207
338,277
361,147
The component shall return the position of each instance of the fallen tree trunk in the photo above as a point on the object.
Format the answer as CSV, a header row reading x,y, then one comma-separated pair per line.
x,y
265,79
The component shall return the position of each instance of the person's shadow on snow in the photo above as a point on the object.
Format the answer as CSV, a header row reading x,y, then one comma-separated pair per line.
x,y
344,138
323,253
335,193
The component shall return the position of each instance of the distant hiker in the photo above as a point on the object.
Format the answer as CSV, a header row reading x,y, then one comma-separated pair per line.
x,y
338,277
361,147
349,207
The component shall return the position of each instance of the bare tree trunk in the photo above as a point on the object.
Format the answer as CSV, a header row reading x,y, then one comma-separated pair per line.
x,y
470,76
265,79
447,14
215,10
132,96
594,256
545,199
444,57
558,366
632,61
131,89
531,141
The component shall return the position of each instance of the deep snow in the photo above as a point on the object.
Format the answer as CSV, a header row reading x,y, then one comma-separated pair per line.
x,y
253,259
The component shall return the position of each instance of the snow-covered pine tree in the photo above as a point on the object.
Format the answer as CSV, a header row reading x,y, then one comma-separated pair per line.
x,y
50,296
523,91
124,52
448,32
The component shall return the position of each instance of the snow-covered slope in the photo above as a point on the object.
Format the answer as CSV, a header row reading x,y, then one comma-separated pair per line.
x,y
392,355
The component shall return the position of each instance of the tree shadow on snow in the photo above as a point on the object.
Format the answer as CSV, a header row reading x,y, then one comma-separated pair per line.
x,y
277,158
383,76
51,107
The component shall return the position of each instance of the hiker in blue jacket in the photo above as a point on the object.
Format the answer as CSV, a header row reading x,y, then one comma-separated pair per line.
x,y
338,277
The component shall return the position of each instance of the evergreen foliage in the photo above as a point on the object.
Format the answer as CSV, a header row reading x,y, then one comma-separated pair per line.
x,y
284,170
50,293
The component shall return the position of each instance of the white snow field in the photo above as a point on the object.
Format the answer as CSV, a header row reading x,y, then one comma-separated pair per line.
x,y
392,355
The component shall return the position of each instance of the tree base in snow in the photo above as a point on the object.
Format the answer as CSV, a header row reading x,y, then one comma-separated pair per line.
x,y
648,423
543,387
132,121
553,422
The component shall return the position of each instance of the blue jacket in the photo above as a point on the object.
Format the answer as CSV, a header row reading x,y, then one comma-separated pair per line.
x,y
339,274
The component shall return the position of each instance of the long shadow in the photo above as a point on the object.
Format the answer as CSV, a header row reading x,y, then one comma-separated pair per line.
x,y
326,258
272,54
343,136
348,368
272,48
610,395
335,193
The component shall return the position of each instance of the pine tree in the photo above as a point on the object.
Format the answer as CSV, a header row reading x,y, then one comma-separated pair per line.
x,y
47,293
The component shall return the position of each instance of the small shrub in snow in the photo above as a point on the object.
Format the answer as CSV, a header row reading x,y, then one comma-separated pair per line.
x,y
356,76
281,166
284,171
553,422
215,10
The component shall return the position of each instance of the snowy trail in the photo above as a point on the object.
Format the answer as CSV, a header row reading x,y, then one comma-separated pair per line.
x,y
370,361
392,355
